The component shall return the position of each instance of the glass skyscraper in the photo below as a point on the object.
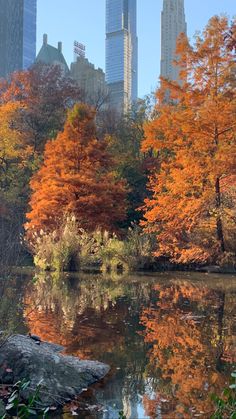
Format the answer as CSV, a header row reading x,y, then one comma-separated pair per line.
x,y
121,52
172,24
17,35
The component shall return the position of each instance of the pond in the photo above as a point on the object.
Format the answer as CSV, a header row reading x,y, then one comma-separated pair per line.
x,y
170,338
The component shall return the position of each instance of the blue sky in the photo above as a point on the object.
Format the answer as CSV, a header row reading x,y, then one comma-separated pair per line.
x,y
84,20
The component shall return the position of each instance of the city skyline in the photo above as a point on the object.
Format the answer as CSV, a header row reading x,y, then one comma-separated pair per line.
x,y
121,52
87,25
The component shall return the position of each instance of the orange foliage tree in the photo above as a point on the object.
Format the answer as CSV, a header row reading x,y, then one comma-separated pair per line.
x,y
76,178
194,138
230,36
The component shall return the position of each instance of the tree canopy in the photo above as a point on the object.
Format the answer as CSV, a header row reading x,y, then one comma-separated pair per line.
x,y
77,177
45,94
194,139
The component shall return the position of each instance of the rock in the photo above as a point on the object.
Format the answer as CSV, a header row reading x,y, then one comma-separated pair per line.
x,y
210,269
213,269
63,377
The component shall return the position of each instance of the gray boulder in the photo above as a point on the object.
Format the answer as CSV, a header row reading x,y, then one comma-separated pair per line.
x,y
63,377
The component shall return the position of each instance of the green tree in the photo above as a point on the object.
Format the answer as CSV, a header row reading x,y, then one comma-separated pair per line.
x,y
131,164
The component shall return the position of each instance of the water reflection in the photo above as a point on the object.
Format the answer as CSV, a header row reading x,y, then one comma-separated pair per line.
x,y
185,329
12,289
169,340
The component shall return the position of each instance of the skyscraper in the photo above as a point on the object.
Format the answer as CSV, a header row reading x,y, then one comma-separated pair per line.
x,y
121,52
172,24
17,35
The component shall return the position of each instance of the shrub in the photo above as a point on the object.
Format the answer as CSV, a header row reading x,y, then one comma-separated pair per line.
x,y
20,409
64,249
226,403
139,247
110,251
133,253
72,248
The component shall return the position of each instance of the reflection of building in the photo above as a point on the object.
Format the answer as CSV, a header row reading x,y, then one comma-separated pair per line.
x,y
172,24
121,52
17,35
52,56
130,407
90,80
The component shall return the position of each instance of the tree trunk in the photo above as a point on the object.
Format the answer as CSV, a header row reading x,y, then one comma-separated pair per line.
x,y
219,226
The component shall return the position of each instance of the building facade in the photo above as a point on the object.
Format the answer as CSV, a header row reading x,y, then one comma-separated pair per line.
x,y
121,52
17,35
172,24
91,81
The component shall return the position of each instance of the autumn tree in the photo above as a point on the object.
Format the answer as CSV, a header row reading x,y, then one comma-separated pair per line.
x,y
14,166
230,36
33,106
194,139
45,95
14,152
76,178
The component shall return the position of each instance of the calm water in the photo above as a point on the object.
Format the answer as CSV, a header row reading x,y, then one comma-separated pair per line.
x,y
170,339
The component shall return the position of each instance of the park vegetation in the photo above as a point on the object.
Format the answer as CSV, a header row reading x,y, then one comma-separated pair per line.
x,y
192,207
123,192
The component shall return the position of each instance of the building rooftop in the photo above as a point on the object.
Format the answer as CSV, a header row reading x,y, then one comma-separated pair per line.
x,y
51,55
83,61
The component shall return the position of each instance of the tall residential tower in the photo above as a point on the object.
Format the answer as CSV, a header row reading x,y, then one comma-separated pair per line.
x,y
17,35
121,52
172,24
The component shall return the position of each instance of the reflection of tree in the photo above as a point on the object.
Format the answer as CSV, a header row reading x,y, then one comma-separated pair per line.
x,y
11,307
62,309
184,330
184,349
229,324
94,318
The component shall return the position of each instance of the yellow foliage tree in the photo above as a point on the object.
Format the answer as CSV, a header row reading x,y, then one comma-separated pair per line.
x,y
14,153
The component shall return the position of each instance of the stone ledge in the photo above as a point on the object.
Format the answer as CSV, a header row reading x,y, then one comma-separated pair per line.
x,y
63,377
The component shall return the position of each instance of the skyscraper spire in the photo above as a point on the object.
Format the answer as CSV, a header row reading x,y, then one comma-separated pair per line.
x,y
121,52
172,24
